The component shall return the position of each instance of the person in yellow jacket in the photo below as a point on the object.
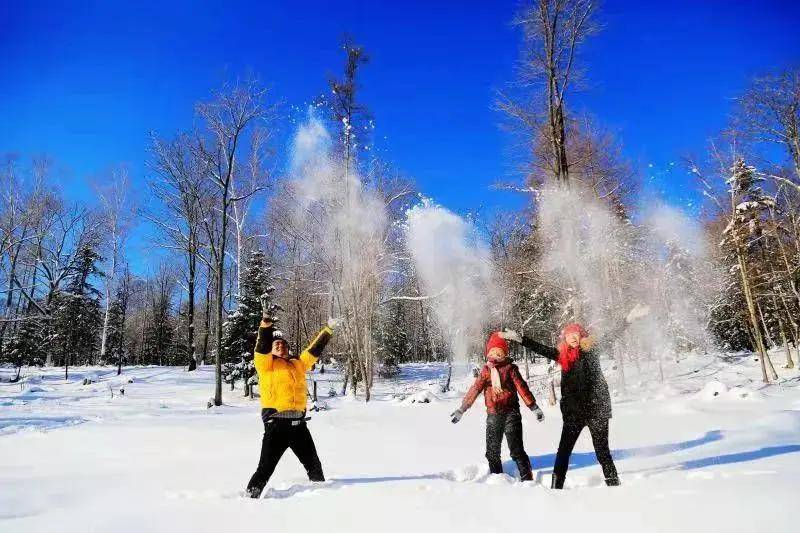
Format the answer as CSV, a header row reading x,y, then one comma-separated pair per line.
x,y
282,383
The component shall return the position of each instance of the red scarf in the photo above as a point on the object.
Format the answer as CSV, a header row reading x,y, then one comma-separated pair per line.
x,y
566,354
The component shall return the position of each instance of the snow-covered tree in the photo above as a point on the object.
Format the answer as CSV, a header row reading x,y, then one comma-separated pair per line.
x,y
392,339
239,331
743,238
76,315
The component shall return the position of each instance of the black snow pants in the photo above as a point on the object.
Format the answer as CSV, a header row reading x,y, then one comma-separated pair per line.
x,y
280,434
598,427
510,425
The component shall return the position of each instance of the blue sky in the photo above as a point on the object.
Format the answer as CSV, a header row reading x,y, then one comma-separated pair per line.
x,y
84,82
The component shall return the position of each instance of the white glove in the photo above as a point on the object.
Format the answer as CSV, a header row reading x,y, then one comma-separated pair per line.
x,y
539,414
456,415
334,323
638,311
511,335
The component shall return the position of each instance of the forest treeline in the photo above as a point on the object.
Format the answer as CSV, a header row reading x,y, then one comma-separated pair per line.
x,y
226,226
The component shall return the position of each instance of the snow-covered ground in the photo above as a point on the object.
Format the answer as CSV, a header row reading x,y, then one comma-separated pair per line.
x,y
710,450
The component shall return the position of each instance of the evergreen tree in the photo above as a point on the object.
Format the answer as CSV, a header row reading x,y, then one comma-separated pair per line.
x,y
744,238
25,346
115,350
393,343
239,331
76,316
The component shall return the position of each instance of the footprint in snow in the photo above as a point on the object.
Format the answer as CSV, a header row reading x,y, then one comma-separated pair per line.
x,y
299,489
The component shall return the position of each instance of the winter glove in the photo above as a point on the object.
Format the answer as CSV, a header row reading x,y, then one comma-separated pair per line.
x,y
265,308
538,412
638,311
511,335
334,323
456,415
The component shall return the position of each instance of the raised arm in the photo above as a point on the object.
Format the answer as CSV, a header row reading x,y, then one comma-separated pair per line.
x,y
262,356
541,349
527,342
315,348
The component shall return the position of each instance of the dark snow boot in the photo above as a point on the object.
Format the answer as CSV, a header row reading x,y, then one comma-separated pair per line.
x,y
612,481
253,492
557,482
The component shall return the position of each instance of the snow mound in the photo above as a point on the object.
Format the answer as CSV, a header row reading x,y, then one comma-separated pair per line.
x,y
712,389
467,474
666,391
743,393
34,389
500,479
425,396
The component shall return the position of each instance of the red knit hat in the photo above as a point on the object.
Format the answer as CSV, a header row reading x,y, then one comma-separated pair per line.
x,y
496,341
574,328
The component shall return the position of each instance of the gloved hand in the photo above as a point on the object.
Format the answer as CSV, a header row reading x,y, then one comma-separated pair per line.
x,y
334,323
265,308
511,335
538,412
456,415
638,311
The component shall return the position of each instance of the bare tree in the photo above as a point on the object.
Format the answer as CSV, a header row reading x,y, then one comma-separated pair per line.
x,y
770,112
180,189
116,219
231,118
553,32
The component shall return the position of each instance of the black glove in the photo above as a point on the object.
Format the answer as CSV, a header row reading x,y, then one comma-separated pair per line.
x,y
456,415
265,308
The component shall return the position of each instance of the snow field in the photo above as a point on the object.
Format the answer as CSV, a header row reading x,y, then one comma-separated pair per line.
x,y
74,458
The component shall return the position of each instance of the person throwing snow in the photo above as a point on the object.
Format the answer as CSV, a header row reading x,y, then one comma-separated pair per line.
x,y
585,400
282,383
502,384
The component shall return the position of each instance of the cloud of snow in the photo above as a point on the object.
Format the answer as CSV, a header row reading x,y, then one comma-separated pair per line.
x,y
345,220
606,265
455,269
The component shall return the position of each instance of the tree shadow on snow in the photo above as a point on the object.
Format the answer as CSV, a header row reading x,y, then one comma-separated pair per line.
x,y
584,459
739,457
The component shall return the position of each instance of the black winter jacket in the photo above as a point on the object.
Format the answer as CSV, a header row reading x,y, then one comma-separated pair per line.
x,y
584,391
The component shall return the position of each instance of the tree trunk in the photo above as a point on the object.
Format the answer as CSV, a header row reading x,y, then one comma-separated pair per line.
x,y
785,340
9,295
751,308
220,281
107,306
207,317
346,379
192,263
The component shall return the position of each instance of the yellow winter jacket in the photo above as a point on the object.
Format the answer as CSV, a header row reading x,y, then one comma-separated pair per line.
x,y
282,382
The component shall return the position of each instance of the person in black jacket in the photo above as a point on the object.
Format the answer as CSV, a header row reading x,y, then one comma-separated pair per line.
x,y
585,400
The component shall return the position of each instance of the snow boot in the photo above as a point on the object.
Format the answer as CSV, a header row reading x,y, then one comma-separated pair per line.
x,y
612,482
253,492
557,482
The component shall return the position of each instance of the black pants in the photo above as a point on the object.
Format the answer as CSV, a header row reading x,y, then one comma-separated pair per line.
x,y
510,425
598,427
280,434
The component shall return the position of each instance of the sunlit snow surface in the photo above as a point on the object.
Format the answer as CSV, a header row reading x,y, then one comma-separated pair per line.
x,y
710,450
